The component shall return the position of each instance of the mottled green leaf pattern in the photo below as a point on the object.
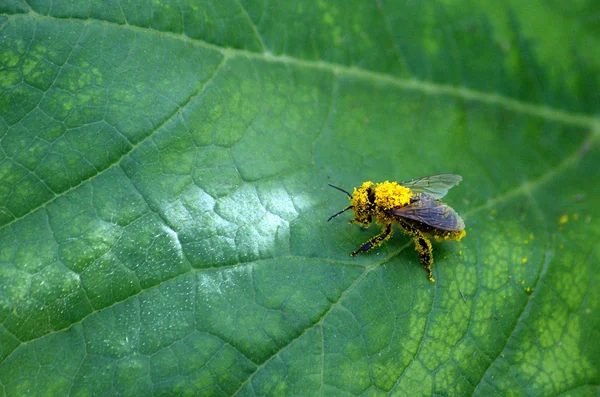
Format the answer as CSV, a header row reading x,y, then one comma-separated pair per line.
x,y
163,197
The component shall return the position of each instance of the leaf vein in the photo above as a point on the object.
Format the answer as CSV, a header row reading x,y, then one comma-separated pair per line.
x,y
252,25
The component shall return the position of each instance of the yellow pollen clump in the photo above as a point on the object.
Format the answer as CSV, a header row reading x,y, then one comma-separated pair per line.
x,y
390,195
563,219
451,236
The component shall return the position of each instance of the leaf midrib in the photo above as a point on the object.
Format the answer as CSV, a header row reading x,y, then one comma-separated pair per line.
x,y
542,111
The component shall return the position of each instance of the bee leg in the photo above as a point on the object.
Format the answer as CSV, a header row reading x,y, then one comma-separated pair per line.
x,y
375,240
423,247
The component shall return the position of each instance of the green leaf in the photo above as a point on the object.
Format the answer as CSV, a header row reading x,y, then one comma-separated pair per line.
x,y
163,197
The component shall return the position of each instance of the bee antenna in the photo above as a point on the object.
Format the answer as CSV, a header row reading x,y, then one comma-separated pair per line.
x,y
341,190
341,212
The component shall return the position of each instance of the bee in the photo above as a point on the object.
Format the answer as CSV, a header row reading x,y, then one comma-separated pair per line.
x,y
416,208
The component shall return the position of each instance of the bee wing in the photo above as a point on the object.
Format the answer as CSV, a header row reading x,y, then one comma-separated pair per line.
x,y
435,185
432,213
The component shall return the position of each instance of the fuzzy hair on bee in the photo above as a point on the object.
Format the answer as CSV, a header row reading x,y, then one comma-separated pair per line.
x,y
414,206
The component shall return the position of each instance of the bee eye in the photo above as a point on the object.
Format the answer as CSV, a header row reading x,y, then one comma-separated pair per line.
x,y
371,195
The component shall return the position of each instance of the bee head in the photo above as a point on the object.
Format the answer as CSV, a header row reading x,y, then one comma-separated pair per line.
x,y
363,203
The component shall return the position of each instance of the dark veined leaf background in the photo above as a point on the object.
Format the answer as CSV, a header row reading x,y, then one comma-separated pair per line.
x,y
163,197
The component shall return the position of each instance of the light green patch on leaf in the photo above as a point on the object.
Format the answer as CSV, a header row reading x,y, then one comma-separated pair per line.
x,y
164,198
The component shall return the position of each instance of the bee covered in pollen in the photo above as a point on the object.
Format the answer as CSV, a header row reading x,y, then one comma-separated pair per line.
x,y
416,208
